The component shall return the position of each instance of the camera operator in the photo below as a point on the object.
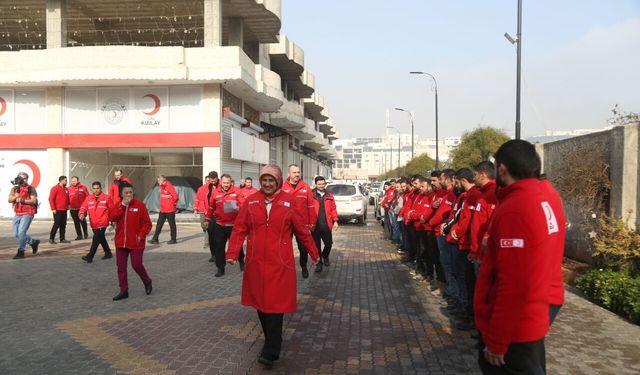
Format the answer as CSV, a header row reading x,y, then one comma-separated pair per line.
x,y
25,205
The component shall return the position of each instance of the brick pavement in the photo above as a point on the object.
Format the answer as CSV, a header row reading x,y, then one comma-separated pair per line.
x,y
365,315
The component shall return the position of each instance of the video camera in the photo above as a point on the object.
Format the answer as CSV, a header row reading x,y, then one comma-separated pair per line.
x,y
18,181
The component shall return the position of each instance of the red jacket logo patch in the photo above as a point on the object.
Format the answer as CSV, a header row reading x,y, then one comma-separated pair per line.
x,y
512,242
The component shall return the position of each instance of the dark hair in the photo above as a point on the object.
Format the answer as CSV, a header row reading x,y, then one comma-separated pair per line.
x,y
293,165
520,158
96,183
419,177
487,168
435,173
226,176
402,180
448,173
76,177
318,178
465,174
118,170
62,178
213,174
125,185
248,178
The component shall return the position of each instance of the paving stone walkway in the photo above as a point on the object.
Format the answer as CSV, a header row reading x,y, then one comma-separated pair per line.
x,y
363,315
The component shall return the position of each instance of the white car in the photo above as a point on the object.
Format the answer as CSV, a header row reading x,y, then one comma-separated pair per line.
x,y
351,201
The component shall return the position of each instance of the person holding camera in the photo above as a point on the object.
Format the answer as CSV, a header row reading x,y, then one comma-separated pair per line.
x,y
25,205
59,203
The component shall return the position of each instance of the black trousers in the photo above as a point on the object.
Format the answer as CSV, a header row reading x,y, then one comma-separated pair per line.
x,y
434,267
304,253
162,217
59,222
272,329
99,239
414,241
325,236
221,235
80,225
525,358
421,253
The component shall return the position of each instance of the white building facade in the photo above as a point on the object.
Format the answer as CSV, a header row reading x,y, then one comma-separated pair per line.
x,y
176,87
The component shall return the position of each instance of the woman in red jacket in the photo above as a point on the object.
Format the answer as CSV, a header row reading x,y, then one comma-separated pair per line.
x,y
268,219
132,227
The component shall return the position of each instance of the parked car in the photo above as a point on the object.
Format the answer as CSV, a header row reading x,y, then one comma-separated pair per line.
x,y
351,201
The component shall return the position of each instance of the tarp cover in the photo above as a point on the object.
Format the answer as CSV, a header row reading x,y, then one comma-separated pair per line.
x,y
186,187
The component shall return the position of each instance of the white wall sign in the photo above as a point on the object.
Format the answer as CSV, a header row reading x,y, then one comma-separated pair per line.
x,y
34,163
152,109
7,124
248,148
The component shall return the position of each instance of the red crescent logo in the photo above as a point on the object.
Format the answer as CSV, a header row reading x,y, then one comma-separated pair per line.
x,y
34,168
156,102
3,106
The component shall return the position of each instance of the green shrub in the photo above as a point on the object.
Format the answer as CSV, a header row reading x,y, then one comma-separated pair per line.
x,y
615,290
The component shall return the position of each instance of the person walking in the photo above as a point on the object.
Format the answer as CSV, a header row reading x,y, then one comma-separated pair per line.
x,y
200,206
268,220
98,206
133,224
324,205
77,195
59,203
168,207
304,204
24,199
248,188
115,189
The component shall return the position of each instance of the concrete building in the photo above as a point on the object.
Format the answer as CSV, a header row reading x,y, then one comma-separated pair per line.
x,y
174,87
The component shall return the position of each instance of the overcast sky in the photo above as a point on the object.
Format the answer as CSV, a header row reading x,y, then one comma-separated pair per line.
x,y
580,58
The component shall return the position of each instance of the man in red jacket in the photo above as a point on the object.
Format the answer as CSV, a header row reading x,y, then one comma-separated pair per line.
x,y
77,194
98,206
115,189
304,205
168,208
485,181
200,206
132,227
325,207
443,205
24,199
59,203
248,188
224,204
513,289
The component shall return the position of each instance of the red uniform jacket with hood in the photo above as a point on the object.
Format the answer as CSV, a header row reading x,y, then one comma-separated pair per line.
x,y
225,205
98,209
421,206
443,210
511,301
77,195
59,198
482,216
330,209
114,190
247,192
303,202
168,197
388,197
557,284
200,204
269,277
463,226
132,225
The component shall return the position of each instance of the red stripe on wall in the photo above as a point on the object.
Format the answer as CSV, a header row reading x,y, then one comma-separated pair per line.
x,y
138,140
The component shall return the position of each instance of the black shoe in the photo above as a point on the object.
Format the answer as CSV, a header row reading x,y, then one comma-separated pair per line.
x,y
121,295
148,288
305,273
241,264
87,259
326,262
212,260
65,241
220,272
154,242
78,238
19,255
172,242
86,236
107,256
266,362
34,246
52,242
319,267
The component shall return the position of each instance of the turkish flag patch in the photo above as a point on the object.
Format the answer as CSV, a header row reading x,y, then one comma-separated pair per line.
x,y
512,242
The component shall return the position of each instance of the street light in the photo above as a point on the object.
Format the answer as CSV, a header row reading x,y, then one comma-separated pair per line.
x,y
517,40
411,118
391,127
435,88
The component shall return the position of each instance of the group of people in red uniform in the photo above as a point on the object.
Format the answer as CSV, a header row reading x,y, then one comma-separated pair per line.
x,y
490,241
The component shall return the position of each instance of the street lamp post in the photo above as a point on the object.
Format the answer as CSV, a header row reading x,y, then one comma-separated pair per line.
x,y
517,40
398,131
411,118
435,88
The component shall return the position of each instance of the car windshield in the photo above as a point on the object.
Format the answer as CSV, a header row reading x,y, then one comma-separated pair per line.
x,y
342,190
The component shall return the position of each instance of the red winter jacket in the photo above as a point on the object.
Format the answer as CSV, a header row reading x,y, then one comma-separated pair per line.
x,y
247,192
25,192
463,227
132,225
59,198
330,209
114,190
482,216
442,212
421,207
388,197
98,209
557,283
511,301
200,204
225,205
304,201
77,195
407,206
269,278
168,197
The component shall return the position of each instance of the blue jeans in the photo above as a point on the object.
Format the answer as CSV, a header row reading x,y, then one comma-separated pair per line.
x,y
395,229
20,227
447,259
